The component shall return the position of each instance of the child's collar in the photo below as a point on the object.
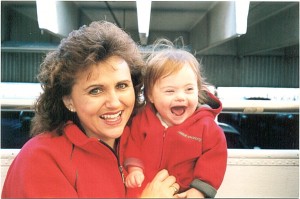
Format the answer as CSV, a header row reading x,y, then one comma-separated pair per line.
x,y
161,120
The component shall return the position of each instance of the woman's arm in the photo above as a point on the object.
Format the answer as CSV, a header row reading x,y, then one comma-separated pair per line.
x,y
35,174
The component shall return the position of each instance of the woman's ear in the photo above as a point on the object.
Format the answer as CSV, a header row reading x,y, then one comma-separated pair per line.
x,y
68,102
150,98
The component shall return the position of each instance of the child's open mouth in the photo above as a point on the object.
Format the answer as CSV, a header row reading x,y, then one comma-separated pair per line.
x,y
178,110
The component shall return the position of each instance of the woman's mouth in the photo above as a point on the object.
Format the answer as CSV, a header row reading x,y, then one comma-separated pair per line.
x,y
115,117
178,110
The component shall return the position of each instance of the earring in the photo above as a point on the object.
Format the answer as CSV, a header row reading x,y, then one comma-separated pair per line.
x,y
71,109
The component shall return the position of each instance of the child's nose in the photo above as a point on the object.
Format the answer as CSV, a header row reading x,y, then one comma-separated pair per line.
x,y
180,96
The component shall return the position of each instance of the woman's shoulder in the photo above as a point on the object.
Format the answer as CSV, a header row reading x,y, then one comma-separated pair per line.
x,y
46,138
44,143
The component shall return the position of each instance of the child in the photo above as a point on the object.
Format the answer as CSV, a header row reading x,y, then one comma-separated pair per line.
x,y
177,129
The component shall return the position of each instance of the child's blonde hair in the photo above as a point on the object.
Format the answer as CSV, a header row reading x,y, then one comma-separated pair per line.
x,y
166,59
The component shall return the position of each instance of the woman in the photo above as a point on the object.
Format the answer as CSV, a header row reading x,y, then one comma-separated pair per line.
x,y
89,88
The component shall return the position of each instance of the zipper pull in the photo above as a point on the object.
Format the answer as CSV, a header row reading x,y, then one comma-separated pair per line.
x,y
122,174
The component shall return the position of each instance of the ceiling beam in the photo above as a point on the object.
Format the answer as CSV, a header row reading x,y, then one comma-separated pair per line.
x,y
225,21
113,14
267,35
57,17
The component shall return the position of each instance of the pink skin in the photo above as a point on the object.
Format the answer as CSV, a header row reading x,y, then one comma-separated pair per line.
x,y
103,98
176,96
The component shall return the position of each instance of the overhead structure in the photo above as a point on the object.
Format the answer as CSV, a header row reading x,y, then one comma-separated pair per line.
x,y
235,28
143,14
225,21
57,17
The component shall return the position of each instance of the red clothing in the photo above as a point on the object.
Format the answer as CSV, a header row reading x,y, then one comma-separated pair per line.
x,y
195,152
71,165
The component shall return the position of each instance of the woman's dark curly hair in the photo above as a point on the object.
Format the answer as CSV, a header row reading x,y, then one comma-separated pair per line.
x,y
81,49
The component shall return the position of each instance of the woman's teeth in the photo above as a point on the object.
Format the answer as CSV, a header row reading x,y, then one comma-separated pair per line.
x,y
111,116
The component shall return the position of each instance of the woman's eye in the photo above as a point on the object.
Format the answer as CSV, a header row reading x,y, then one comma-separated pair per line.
x,y
95,91
122,86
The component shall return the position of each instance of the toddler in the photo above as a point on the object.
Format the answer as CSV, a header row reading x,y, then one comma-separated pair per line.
x,y
176,130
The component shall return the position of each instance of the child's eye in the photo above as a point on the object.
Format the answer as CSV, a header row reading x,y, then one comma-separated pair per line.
x,y
95,91
169,91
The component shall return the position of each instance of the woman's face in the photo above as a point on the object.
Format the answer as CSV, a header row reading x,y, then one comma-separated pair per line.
x,y
103,98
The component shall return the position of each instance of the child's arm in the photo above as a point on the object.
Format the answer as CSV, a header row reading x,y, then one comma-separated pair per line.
x,y
135,177
210,168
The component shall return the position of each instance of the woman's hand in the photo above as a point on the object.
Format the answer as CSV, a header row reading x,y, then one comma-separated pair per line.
x,y
162,186
191,193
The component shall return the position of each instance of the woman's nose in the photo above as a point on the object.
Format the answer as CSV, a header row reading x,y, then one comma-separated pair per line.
x,y
112,100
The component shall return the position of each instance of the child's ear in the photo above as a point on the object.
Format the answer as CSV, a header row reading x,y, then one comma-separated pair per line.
x,y
68,102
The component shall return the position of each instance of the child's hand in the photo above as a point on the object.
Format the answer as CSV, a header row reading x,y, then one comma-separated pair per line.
x,y
134,179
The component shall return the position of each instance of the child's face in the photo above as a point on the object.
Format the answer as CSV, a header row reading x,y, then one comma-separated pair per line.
x,y
176,96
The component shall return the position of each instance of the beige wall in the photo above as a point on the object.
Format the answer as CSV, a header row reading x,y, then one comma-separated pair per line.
x,y
250,173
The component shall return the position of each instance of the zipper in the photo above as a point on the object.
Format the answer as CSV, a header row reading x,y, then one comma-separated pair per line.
x,y
163,144
118,161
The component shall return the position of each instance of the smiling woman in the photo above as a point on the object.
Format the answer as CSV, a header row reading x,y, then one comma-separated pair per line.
x,y
88,94
103,98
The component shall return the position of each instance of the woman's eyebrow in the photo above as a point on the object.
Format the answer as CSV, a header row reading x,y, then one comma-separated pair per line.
x,y
101,85
125,80
93,86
